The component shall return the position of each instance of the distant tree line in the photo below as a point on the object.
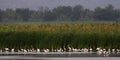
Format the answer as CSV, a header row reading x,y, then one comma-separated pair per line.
x,y
61,13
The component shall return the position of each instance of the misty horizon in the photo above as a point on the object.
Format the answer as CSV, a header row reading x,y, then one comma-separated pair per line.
x,y
36,4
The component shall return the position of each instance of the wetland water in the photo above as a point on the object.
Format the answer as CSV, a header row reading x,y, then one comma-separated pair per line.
x,y
58,56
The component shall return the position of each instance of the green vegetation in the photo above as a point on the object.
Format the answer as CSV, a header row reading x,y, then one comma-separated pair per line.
x,y
56,36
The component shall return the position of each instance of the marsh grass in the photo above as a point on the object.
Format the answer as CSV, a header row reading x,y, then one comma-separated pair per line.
x,y
56,36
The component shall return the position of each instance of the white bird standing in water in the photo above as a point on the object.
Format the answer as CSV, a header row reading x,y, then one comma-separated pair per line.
x,y
38,50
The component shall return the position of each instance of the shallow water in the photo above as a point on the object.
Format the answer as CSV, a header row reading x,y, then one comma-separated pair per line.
x,y
57,58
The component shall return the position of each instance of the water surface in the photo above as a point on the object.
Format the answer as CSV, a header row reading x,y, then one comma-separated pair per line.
x,y
57,58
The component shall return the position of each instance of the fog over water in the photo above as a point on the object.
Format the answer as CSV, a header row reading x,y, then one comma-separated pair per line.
x,y
35,4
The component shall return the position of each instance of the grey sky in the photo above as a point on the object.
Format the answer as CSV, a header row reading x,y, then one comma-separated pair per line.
x,y
34,4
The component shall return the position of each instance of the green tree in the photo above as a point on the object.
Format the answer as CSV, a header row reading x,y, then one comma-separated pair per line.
x,y
117,14
87,14
36,15
1,15
98,13
63,12
77,12
107,13
23,13
9,14
48,15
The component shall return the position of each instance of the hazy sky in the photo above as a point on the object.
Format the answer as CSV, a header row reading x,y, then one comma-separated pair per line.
x,y
34,4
